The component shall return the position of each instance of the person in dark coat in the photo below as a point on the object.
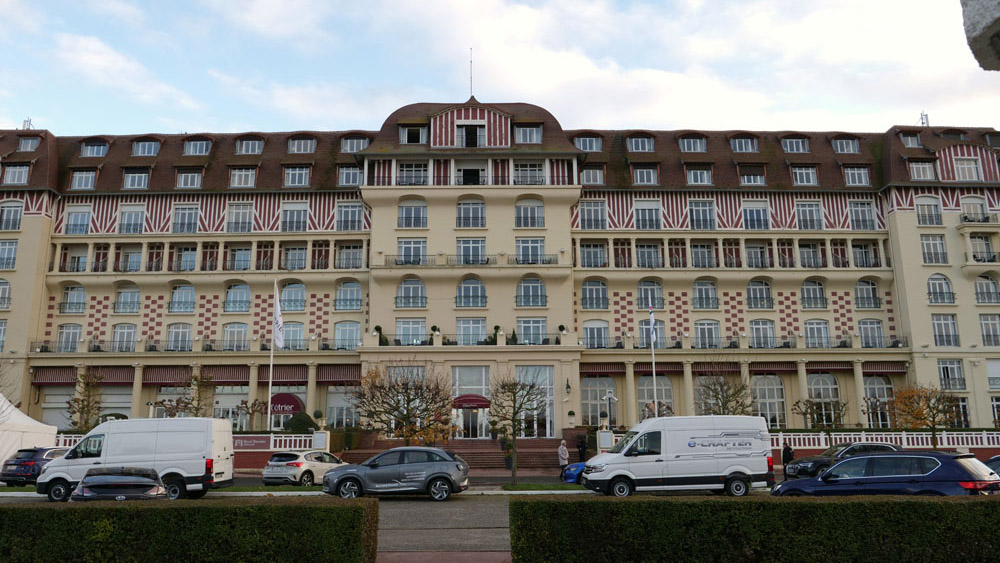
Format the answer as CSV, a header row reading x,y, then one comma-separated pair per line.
x,y
581,447
787,455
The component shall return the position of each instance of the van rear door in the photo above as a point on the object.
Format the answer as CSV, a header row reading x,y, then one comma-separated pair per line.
x,y
182,446
222,449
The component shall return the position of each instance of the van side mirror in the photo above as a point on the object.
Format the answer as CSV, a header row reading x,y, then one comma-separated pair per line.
x,y
72,454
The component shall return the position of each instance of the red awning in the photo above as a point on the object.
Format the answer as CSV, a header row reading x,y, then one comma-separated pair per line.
x,y
715,367
297,374
114,375
829,366
646,368
54,375
869,368
471,401
602,368
165,375
769,367
227,375
338,374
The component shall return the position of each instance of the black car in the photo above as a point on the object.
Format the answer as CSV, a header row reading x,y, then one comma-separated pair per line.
x,y
813,465
899,473
994,463
27,464
119,483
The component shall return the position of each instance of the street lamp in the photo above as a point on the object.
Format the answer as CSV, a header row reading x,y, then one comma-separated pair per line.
x,y
610,396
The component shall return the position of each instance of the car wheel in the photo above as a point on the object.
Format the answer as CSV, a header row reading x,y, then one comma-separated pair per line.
x,y
197,494
621,487
175,488
306,480
737,487
439,489
349,488
59,491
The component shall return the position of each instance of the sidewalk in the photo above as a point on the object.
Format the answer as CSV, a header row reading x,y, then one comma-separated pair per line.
x,y
443,557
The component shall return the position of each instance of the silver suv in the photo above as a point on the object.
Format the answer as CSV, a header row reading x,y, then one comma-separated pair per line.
x,y
401,470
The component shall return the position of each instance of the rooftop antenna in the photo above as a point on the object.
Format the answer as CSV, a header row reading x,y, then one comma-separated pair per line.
x,y
925,120
27,124
470,72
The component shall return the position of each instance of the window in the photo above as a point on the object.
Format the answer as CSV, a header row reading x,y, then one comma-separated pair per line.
x,y
594,295
593,400
123,338
470,331
592,176
974,210
856,176
862,215
939,289
470,214
755,216
910,140
593,215
28,144
650,295
189,179
707,335
181,299
531,293
811,255
593,255
69,337
349,216
353,144
660,334
294,217
412,215
4,295
412,135
83,179
878,393
471,251
866,295
131,219
74,299
640,144
743,144
824,390
990,326
664,397
249,146
412,174
528,134
301,146
922,171
470,293
699,176
804,176
759,295
529,213
950,375
846,146
411,294
795,145
10,215
8,254
693,144
809,215
702,215
197,148
528,174
588,144
349,256
186,219
348,296
145,148
347,335
235,337
945,330
703,255
933,248
987,290
242,177
15,174
179,337
704,295
136,179
237,298
293,257
94,149
531,251
647,215
870,331
982,248
967,170
752,175
595,335
762,334
813,295
648,255
817,334
961,413
127,299
296,176
240,218
532,330
350,176
644,175
410,332
293,297
928,211
767,395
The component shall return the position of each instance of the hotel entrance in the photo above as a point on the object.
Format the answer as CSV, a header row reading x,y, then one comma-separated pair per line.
x,y
471,405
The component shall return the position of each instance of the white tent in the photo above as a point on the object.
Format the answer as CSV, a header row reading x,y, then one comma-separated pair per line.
x,y
18,430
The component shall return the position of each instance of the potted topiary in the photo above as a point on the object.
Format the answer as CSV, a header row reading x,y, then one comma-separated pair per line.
x,y
493,429
604,419
320,419
572,420
508,455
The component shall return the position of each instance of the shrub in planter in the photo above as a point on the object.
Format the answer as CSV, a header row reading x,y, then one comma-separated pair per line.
x,y
301,423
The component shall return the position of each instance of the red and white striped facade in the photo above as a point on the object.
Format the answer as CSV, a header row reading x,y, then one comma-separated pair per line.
x,y
444,126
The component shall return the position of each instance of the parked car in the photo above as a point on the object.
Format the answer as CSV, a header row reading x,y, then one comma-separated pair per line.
x,y
119,483
994,463
572,473
811,466
406,470
27,463
299,468
899,473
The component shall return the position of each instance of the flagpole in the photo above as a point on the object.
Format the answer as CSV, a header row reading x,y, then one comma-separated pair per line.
x,y
270,369
652,352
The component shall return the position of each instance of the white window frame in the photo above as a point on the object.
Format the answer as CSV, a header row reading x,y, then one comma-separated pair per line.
x,y
349,176
644,176
16,174
135,179
93,150
199,147
189,179
693,144
243,177
250,146
968,169
145,148
795,145
302,145
589,144
641,144
856,176
699,176
743,144
528,134
592,176
922,171
28,144
805,176
84,180
846,146
297,176
353,144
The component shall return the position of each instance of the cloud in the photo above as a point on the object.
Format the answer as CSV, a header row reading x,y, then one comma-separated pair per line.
x,y
301,22
18,17
121,11
102,65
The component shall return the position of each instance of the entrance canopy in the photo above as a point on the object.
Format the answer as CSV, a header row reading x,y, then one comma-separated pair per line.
x,y
471,401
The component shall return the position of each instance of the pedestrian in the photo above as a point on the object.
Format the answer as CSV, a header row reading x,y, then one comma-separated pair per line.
x,y
581,447
787,455
563,456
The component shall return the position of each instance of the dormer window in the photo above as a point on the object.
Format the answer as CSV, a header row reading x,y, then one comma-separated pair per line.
x,y
743,144
250,146
94,149
145,148
412,135
640,144
353,144
846,146
795,145
588,144
136,179
993,140
470,136
28,144
197,148
528,134
301,146
910,140
955,135
693,144
856,176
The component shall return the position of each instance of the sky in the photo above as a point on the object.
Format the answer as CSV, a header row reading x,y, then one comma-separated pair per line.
x,y
121,67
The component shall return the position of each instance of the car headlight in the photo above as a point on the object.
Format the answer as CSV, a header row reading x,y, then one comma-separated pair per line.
x,y
598,467
807,464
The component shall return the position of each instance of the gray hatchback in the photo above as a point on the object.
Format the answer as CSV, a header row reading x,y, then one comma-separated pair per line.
x,y
406,470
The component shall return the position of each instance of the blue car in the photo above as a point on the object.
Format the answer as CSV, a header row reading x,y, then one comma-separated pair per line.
x,y
572,473
899,473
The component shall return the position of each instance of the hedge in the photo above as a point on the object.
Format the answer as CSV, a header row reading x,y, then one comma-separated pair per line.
x,y
660,528
271,529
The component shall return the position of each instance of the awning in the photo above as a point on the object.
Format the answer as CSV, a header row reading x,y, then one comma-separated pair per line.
x,y
165,375
227,375
54,375
338,374
829,366
114,375
715,367
646,368
297,374
602,368
471,401
870,368
772,367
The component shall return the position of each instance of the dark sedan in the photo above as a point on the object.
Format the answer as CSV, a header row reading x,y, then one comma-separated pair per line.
x,y
811,466
994,463
899,473
27,464
119,483
401,470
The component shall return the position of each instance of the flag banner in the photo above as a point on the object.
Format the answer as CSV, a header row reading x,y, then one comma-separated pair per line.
x,y
278,338
652,329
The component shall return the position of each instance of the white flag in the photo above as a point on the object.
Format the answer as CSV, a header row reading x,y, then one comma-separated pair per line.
x,y
279,325
652,330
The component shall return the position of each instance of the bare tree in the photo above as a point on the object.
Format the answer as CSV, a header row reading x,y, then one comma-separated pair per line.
x,y
401,402
196,399
251,409
927,408
512,401
719,394
84,409
822,415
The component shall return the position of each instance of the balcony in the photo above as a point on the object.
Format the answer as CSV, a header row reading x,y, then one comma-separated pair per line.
x,y
126,306
649,302
236,265
889,342
171,345
592,342
467,339
290,345
72,306
646,261
662,343
698,261
411,179
320,263
593,224
705,303
472,259
772,341
935,257
702,225
470,222
328,344
293,263
759,262
810,224
411,302
756,225
71,265
814,302
342,304
78,229
952,383
980,218
760,303
812,261
986,257
293,226
866,262
594,303
534,339
929,219
62,346
119,345
236,306
185,227
411,222
862,224
946,339
293,305
407,260
182,265
470,301
988,297
227,345
127,265
867,302
181,306
349,225
4,303
529,222
818,342
531,259
648,225
350,263
942,297
991,340
714,342
531,300
239,226
409,339
130,228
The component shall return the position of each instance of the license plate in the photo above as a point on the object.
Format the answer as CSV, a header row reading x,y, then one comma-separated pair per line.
x,y
792,470
120,497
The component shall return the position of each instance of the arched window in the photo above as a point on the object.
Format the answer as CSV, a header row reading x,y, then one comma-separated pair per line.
x,y
235,337
348,296
529,213
594,295
181,299
593,400
346,335
825,392
471,213
471,293
237,298
974,209
179,337
531,293
293,297
871,333
813,295
644,395
987,290
595,334
69,337
650,295
412,214
123,337
411,294
759,295
127,299
878,391
939,289
928,210
4,295
866,295
295,337
768,396
704,295
74,299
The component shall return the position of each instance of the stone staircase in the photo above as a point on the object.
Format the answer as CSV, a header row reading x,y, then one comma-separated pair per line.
x,y
533,453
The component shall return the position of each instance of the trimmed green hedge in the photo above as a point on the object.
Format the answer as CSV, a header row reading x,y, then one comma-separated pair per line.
x,y
660,528
271,529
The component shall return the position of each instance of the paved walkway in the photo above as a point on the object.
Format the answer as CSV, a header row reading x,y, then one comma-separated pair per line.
x,y
443,557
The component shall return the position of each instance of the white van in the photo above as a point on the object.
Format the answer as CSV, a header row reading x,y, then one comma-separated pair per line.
x,y
728,454
191,455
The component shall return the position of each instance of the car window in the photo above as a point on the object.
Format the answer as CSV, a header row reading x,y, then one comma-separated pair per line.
x,y
313,457
846,452
890,466
52,454
91,447
436,457
994,464
881,448
284,458
977,469
327,458
24,454
850,469
390,458
648,444
417,457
